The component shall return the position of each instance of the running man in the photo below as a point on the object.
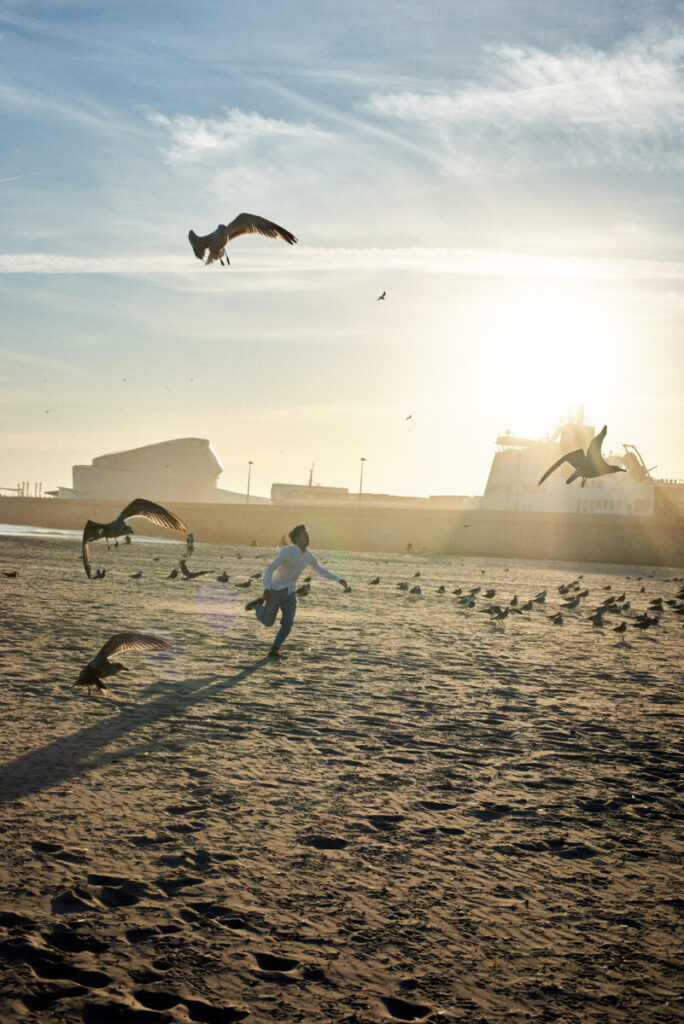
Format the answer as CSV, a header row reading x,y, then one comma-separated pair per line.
x,y
280,585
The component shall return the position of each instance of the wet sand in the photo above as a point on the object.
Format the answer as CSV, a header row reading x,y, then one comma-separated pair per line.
x,y
418,814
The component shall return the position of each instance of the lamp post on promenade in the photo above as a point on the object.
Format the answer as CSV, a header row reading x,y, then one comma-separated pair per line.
x,y
249,477
361,479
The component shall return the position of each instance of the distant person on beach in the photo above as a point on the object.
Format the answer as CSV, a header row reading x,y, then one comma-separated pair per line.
x,y
280,585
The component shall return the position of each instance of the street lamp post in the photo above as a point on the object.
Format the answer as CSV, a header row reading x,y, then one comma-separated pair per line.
x,y
249,477
361,480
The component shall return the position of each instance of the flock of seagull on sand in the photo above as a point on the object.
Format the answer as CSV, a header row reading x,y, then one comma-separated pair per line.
x,y
585,466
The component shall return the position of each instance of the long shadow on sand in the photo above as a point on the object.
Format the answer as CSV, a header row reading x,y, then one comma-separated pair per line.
x,y
71,756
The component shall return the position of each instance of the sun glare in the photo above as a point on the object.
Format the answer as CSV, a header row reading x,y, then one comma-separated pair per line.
x,y
533,357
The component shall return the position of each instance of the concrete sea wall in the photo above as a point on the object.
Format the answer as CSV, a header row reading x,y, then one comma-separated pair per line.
x,y
632,540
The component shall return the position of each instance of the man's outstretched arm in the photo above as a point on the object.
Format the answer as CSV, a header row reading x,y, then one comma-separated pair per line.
x,y
326,574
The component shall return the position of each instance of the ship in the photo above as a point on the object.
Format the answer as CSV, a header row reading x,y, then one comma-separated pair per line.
x,y
519,463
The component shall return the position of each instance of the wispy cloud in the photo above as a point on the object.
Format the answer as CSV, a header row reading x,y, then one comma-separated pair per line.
x,y
628,100
315,261
194,138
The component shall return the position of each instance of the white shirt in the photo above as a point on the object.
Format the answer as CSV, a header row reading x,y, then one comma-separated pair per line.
x,y
287,567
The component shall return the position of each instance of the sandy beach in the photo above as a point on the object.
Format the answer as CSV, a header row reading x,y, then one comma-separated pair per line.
x,y
419,814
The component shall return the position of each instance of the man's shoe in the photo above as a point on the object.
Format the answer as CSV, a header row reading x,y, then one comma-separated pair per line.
x,y
251,605
274,652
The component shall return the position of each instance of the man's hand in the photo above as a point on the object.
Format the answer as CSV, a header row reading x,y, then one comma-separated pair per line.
x,y
266,595
343,583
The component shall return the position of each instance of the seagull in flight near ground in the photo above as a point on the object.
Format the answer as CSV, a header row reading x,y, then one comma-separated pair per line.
x,y
244,224
101,667
586,466
381,297
119,528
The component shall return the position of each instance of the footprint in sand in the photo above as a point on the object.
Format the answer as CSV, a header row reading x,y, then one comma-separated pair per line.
x,y
400,1009
70,941
272,967
320,842
197,1009
49,965
75,900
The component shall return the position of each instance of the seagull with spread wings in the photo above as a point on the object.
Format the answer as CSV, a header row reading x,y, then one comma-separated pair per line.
x,y
119,528
100,667
587,466
244,224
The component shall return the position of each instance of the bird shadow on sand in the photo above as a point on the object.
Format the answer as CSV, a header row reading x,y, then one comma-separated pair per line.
x,y
73,755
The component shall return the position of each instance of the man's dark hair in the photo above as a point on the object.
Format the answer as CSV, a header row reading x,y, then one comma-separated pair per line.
x,y
296,531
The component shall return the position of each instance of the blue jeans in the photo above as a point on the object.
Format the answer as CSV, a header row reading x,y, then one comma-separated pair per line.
x,y
266,613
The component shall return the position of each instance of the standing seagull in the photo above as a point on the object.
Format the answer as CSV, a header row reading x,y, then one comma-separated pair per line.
x,y
244,224
101,667
118,527
586,466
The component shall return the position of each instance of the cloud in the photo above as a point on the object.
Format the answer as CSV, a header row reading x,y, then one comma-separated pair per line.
x,y
191,138
593,103
313,261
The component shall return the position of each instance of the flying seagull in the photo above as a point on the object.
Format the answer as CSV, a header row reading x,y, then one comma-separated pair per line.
x,y
188,574
119,528
381,297
244,224
101,667
586,466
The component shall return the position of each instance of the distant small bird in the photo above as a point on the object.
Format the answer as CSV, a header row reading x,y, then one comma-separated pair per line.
x,y
475,590
527,607
11,575
347,589
188,574
100,667
457,590
374,581
99,574
416,590
503,613
514,601
539,598
243,586
597,619
622,628
136,575
489,593
304,590
572,603
402,586
119,527
441,590
223,578
557,619
416,574
258,575
381,297
586,466
244,224
173,574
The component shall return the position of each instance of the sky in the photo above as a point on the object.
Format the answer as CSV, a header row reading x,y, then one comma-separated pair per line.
x,y
509,172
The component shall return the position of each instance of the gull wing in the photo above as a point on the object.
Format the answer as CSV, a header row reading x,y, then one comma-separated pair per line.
x,y
199,244
131,642
90,532
155,513
594,450
575,459
251,224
